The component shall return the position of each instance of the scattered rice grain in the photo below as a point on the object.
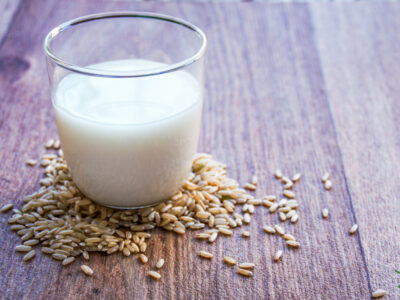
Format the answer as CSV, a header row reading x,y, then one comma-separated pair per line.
x,y
205,254
353,229
250,187
246,234
31,162
328,185
31,254
6,208
153,274
23,248
378,293
230,261
68,260
87,270
143,258
289,237
247,266
49,143
278,174
269,229
279,230
296,177
293,244
288,194
160,263
278,255
213,237
325,177
244,272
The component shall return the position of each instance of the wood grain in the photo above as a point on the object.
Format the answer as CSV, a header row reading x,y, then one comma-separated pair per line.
x,y
8,8
361,68
287,87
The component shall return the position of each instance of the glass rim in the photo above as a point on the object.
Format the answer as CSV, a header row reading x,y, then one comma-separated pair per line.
x,y
123,74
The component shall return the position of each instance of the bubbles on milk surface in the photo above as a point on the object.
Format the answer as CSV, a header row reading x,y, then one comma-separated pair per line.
x,y
127,100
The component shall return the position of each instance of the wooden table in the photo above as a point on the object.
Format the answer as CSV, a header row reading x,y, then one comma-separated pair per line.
x,y
301,87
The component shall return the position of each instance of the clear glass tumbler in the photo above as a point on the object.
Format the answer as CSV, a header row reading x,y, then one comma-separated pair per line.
x,y
127,92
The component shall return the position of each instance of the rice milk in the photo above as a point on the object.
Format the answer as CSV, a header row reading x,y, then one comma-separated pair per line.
x,y
128,141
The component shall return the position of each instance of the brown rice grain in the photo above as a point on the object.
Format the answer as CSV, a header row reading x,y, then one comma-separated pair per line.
x,y
279,230
294,218
292,204
288,194
285,209
328,185
251,209
202,236
269,229
271,198
267,203
378,293
278,255
143,258
27,236
68,260
47,250
293,244
59,256
153,274
255,202
325,177
87,270
225,231
247,266
230,261
246,218
6,208
273,208
246,234
31,162
296,177
16,227
325,213
288,185
290,214
31,254
254,180
213,237
23,248
49,143
282,202
244,272
289,237
57,144
85,255
31,242
278,174
205,254
160,263
353,229
126,251
250,187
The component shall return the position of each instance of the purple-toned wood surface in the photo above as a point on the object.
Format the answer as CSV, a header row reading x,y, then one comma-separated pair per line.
x,y
303,87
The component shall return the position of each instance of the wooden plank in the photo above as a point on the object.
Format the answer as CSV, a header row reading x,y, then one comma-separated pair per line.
x,y
8,9
265,108
361,70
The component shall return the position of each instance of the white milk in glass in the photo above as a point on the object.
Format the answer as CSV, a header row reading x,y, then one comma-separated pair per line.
x,y
129,142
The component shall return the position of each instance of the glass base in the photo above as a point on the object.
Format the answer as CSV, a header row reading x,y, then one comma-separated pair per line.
x,y
131,207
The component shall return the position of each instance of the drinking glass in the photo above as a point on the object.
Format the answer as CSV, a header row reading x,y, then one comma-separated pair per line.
x,y
127,93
